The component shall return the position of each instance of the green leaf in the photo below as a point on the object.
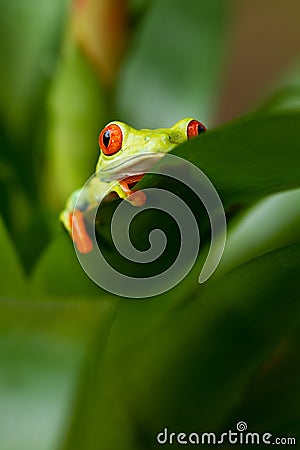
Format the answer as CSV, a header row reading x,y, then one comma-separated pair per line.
x,y
271,224
29,42
58,273
174,66
246,162
29,34
12,277
275,388
76,113
191,370
44,348
250,158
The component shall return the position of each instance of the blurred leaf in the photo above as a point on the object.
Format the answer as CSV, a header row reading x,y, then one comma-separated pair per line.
x,y
286,95
174,67
43,350
76,110
29,41
190,372
100,29
275,388
273,223
12,279
286,99
29,36
58,273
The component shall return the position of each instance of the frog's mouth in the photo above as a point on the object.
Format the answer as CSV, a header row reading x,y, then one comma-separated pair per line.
x,y
129,183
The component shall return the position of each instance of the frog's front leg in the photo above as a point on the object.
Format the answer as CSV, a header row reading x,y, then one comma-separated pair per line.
x,y
123,189
73,220
74,216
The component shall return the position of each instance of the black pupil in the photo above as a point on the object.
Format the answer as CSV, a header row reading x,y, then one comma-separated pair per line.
x,y
106,138
200,128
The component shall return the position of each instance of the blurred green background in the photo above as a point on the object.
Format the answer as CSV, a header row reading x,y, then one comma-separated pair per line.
x,y
83,369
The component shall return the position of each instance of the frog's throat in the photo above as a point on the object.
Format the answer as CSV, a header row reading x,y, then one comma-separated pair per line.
x,y
128,167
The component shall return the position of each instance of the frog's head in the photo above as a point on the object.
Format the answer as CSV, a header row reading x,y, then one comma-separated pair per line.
x,y
126,151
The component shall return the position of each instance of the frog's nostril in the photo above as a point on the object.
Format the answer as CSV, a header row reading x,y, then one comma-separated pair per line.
x,y
166,138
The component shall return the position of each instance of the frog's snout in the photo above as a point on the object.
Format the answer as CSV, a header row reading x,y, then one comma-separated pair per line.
x,y
166,138
162,141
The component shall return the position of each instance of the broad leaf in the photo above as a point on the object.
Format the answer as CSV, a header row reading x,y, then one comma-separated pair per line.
x,y
191,371
250,158
271,224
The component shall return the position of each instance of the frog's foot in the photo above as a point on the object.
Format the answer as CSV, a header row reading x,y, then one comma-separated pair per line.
x,y
137,198
74,223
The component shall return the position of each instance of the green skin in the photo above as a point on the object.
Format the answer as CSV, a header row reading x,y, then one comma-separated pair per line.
x,y
140,150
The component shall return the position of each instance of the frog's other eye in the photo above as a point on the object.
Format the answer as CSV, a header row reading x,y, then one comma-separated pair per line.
x,y
195,128
110,139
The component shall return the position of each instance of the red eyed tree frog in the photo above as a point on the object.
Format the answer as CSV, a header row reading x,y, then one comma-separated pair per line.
x,y
126,155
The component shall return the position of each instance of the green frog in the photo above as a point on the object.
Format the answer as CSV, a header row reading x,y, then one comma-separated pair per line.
x,y
126,154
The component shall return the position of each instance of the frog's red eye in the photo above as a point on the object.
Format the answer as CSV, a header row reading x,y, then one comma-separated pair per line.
x,y
110,139
195,128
